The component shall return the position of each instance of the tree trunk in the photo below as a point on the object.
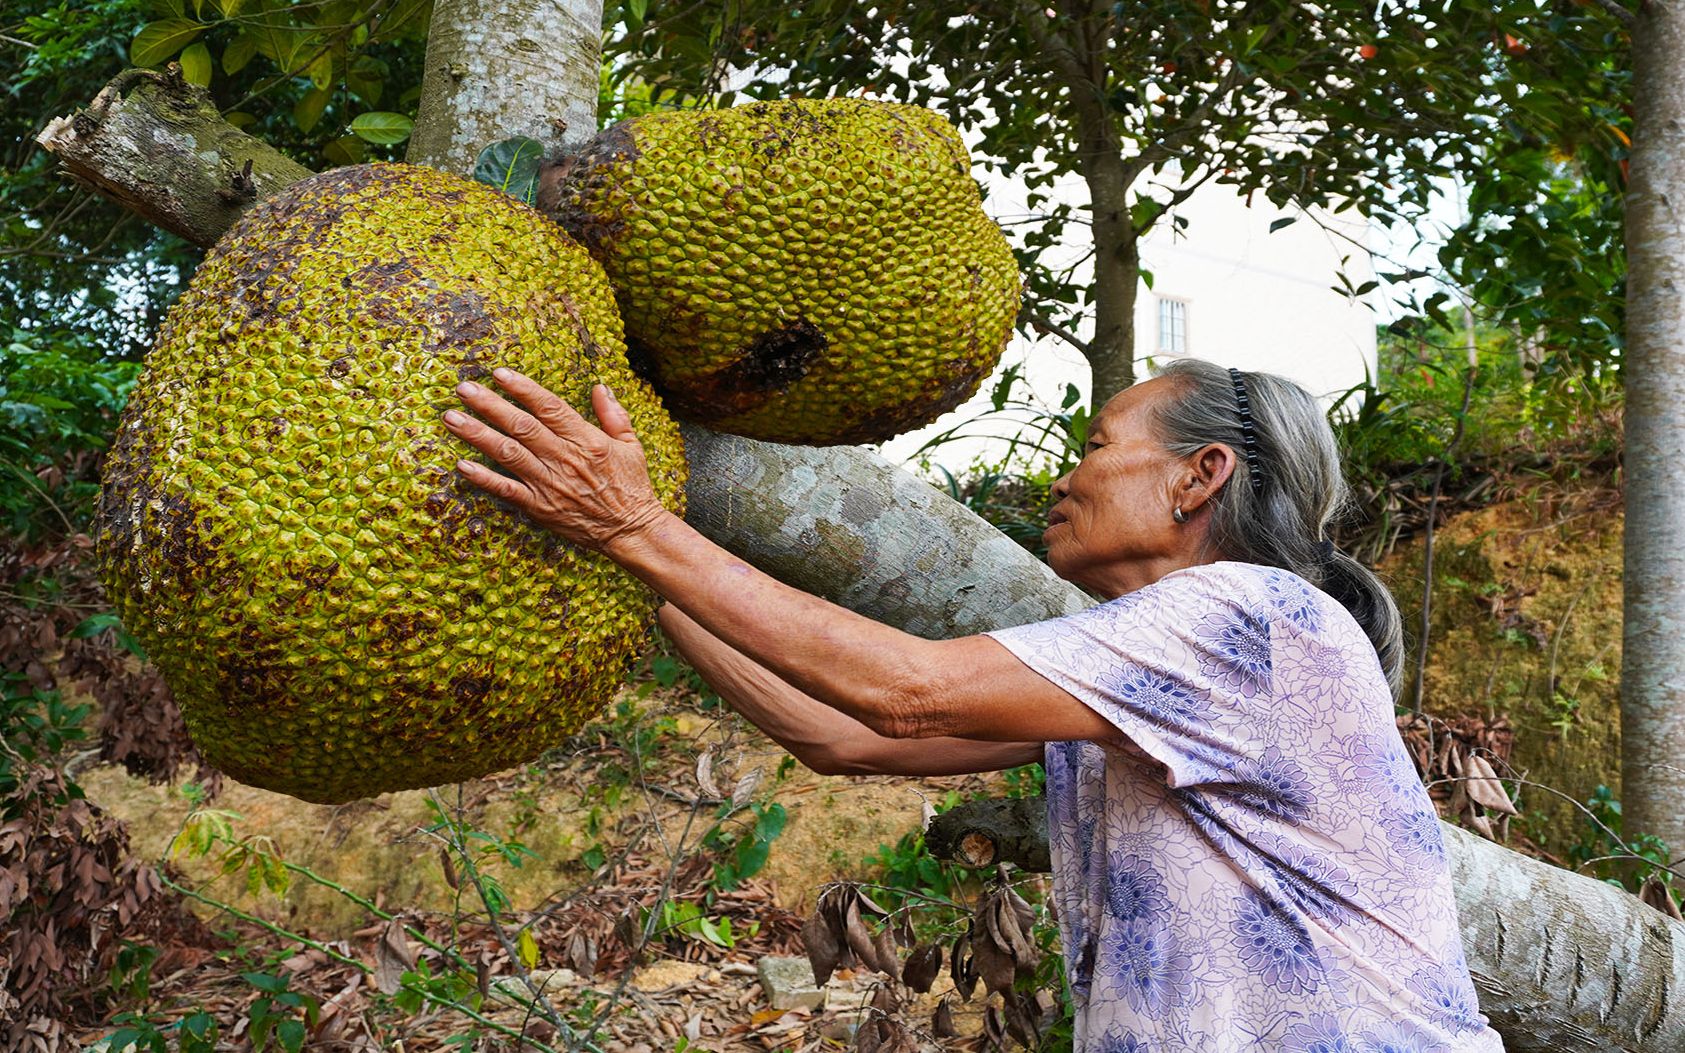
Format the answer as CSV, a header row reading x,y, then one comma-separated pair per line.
x,y
843,523
1117,274
1653,657
497,69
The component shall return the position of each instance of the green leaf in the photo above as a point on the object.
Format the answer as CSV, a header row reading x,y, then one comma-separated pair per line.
x,y
320,71
366,79
382,129
1284,221
635,11
229,8
240,119
291,1034
96,624
512,167
238,52
159,41
196,64
309,109
346,150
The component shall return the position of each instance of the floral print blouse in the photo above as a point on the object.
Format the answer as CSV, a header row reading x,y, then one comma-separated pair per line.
x,y
1253,863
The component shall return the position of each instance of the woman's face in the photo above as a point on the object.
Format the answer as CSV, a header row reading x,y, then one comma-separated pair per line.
x,y
1110,528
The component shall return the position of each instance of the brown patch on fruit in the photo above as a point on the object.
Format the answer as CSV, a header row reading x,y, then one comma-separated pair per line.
x,y
768,366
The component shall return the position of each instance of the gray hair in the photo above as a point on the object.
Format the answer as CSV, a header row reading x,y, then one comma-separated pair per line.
x,y
1283,522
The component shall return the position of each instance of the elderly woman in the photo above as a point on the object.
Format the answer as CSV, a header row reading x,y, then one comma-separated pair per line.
x,y
1243,855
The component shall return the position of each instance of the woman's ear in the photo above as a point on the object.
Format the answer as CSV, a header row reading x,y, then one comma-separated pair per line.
x,y
1208,471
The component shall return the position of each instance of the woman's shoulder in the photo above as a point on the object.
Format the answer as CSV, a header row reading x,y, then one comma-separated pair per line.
x,y
1260,592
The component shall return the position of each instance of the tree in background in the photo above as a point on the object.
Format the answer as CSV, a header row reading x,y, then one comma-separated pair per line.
x,y
1653,634
1343,104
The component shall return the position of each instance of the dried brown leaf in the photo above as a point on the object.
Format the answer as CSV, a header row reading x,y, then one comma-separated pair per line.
x,y
1655,892
705,774
993,963
744,791
962,967
394,956
920,969
1484,787
823,947
858,937
883,948
883,1000
942,1021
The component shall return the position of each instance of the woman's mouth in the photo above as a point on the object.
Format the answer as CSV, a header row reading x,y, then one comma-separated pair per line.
x,y
1054,519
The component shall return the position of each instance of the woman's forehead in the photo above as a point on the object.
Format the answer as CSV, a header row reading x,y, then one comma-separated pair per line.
x,y
1130,409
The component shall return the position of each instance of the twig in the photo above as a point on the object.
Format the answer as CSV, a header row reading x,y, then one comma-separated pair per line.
x,y
1561,628
1046,326
456,843
1625,15
1427,542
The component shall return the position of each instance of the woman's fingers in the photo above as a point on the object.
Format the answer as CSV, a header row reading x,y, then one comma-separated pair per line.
x,y
498,485
616,422
552,412
512,450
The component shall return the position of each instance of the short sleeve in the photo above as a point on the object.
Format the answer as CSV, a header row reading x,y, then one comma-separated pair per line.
x,y
1180,668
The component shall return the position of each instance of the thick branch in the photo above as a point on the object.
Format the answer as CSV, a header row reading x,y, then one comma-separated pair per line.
x,y
1565,964
157,146
847,525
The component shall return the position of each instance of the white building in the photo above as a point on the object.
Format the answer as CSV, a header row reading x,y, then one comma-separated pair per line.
x,y
1225,287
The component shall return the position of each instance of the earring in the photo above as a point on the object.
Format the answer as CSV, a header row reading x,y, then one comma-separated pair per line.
x,y
1178,515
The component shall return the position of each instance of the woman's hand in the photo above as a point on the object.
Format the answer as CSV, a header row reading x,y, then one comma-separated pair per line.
x,y
588,484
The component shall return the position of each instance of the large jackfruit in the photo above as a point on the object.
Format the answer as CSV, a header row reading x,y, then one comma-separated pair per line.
x,y
337,612
812,271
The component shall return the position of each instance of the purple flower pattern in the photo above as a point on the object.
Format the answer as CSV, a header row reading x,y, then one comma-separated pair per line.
x,y
1160,698
1237,654
1275,945
1319,1034
1396,1036
1274,784
1255,869
1143,960
1294,598
1119,1041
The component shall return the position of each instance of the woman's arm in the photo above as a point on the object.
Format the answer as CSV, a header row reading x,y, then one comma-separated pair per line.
x,y
591,485
820,737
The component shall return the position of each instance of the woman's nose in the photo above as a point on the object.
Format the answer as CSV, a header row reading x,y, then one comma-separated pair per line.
x,y
1061,487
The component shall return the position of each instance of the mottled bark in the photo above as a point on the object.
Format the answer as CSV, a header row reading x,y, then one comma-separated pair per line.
x,y
1117,274
1653,656
847,525
501,68
843,523
156,145
1566,963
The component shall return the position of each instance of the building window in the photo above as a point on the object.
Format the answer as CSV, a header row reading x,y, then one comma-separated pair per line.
x,y
1172,327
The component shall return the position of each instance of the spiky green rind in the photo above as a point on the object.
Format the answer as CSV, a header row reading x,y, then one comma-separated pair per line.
x,y
337,612
813,270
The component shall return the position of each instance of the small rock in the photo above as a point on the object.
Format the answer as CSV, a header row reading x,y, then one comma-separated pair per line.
x,y
789,983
